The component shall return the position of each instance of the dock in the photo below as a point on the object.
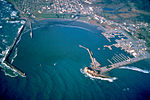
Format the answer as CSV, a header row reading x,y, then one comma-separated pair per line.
x,y
108,46
126,62
119,60
122,63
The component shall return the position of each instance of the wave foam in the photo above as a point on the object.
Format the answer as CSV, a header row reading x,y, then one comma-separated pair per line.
x,y
5,67
4,41
11,72
13,13
135,69
22,22
12,22
93,77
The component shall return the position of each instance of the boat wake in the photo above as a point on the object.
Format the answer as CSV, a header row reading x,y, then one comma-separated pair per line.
x,y
135,69
93,77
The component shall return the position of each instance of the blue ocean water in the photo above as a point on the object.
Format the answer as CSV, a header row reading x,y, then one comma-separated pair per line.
x,y
53,61
8,30
108,9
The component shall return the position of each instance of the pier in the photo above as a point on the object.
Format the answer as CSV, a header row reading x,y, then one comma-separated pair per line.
x,y
126,62
95,63
119,64
119,60
10,51
122,63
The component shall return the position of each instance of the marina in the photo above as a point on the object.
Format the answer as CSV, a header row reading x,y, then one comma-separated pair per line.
x,y
119,60
116,61
74,50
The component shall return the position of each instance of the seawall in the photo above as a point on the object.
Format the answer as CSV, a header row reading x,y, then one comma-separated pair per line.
x,y
6,59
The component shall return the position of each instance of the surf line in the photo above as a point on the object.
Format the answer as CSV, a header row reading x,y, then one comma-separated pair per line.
x,y
6,61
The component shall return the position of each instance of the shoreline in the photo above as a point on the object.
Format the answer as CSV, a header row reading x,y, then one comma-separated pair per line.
x,y
78,23
47,21
84,24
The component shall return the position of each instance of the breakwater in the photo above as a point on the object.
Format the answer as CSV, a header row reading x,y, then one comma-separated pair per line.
x,y
122,63
6,61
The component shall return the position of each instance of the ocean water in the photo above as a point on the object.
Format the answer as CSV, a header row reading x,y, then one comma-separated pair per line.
x,y
8,31
53,63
